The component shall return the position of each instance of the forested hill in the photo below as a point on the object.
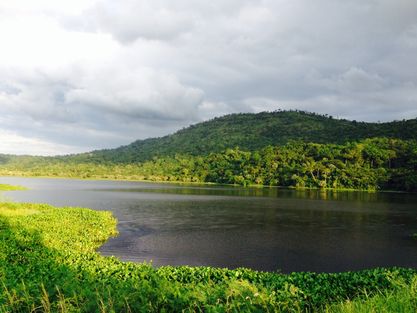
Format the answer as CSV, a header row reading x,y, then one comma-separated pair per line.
x,y
251,132
289,149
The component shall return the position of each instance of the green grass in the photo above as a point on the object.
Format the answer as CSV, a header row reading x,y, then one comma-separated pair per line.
x,y
402,299
49,263
6,187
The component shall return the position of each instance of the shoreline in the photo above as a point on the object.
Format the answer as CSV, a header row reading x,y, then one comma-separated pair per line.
x,y
211,184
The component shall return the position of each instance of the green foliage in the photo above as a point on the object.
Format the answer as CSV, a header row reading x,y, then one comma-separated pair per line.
x,y
6,187
403,298
303,289
370,164
48,263
251,132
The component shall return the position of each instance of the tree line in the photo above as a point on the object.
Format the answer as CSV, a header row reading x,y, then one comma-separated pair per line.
x,y
370,164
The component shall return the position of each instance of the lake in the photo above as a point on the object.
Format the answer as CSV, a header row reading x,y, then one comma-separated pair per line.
x,y
224,226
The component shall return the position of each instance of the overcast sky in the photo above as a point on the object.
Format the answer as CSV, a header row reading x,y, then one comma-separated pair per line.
x,y
78,75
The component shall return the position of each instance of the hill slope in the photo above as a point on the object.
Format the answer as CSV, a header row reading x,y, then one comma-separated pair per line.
x,y
251,132
326,153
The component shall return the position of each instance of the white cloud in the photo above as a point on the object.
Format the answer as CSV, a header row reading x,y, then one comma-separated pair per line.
x,y
130,20
39,42
12,143
45,6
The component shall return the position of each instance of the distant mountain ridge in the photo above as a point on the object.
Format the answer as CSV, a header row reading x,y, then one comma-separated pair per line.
x,y
250,131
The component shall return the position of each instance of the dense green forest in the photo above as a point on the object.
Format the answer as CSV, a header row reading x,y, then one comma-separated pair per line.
x,y
251,132
370,164
283,148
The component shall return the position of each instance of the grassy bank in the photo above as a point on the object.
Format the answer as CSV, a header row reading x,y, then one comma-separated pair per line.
x,y
48,263
403,298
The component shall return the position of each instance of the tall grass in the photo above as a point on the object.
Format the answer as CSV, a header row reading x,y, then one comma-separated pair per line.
x,y
402,299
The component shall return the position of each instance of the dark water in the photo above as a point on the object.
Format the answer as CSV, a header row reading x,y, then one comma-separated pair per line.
x,y
260,228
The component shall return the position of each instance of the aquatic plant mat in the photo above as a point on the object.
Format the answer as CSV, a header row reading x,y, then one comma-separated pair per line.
x,y
48,263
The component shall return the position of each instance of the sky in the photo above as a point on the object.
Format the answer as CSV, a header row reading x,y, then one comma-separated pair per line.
x,y
81,75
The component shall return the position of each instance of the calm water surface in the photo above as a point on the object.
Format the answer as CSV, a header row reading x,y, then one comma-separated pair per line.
x,y
260,228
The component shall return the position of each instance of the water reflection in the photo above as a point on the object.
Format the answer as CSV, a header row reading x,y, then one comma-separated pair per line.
x,y
260,228
333,195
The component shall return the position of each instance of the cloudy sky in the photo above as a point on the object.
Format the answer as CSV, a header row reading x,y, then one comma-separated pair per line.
x,y
77,75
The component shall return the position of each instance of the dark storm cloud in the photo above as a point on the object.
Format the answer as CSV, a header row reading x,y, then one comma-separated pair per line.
x,y
351,53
